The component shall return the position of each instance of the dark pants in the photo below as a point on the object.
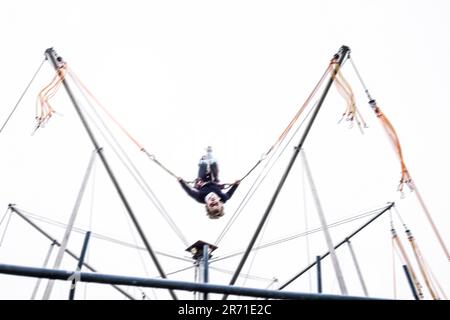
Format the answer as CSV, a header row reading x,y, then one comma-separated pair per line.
x,y
212,175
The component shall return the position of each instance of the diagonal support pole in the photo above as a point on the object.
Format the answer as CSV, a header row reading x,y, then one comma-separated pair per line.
x,y
288,282
70,224
340,56
358,269
13,208
80,264
47,258
323,222
57,62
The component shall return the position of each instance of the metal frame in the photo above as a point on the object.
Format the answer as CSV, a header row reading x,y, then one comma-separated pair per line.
x,y
167,284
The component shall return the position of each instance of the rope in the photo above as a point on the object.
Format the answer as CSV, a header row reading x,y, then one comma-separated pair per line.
x,y
180,270
6,228
22,95
4,216
134,172
248,276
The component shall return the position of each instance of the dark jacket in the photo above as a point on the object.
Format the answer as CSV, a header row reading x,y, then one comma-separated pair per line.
x,y
201,193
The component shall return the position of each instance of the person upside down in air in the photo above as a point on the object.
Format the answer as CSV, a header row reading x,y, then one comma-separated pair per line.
x,y
207,188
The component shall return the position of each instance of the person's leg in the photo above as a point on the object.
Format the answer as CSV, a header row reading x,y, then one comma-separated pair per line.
x,y
202,170
214,171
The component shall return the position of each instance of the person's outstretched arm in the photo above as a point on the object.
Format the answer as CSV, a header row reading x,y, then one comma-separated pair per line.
x,y
233,188
192,192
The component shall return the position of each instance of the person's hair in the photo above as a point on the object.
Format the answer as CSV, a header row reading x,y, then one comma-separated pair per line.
x,y
215,212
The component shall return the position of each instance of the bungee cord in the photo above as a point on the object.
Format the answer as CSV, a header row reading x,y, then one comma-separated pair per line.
x,y
294,119
153,158
405,178
259,180
150,156
273,149
129,165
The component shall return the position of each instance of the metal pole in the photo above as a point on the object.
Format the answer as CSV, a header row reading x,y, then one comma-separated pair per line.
x,y
323,222
343,51
73,216
58,62
205,268
337,246
169,284
196,277
319,275
410,282
358,269
47,257
80,263
53,240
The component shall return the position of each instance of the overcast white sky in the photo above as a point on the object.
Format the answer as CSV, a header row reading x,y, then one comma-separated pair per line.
x,y
181,75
